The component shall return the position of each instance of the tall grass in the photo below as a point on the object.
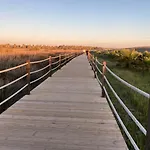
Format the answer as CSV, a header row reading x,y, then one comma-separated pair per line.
x,y
10,59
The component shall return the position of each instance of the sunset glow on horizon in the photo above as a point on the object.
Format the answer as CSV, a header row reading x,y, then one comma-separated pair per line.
x,y
109,23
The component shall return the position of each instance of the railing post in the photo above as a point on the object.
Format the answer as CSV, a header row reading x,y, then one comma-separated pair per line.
x,y
103,79
90,59
94,67
60,61
64,61
88,56
92,62
71,56
28,68
50,65
148,128
4,90
66,58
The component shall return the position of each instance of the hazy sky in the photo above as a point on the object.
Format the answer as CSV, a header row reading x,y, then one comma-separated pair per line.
x,y
106,23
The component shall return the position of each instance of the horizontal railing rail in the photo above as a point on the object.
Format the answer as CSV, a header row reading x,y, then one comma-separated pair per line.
x,y
39,61
36,71
7,99
13,68
53,64
14,81
95,64
55,57
40,77
145,94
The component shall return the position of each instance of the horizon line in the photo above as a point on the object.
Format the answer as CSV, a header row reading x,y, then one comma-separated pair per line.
x,y
84,45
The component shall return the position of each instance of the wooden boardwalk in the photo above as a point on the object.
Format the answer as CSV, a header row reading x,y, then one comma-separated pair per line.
x,y
65,112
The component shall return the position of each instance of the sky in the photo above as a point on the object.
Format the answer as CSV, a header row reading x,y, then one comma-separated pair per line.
x,y
104,23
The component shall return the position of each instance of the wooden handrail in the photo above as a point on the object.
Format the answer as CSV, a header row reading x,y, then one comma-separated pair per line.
x,y
104,79
28,64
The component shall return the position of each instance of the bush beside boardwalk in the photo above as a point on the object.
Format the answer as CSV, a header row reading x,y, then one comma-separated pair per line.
x,y
129,58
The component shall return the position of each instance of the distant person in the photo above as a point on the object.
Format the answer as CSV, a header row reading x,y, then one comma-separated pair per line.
x,y
87,52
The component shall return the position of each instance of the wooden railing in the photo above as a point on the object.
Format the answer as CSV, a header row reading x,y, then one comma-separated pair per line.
x,y
54,63
95,64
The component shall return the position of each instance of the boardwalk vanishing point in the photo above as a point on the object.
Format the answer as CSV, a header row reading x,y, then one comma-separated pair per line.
x,y
65,112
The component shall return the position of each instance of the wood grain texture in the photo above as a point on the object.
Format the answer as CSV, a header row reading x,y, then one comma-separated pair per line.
x,y
65,112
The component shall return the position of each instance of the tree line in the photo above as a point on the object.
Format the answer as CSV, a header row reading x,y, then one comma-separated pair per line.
x,y
48,47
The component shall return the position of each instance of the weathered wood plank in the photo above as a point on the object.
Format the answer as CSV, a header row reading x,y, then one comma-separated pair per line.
x,y
66,112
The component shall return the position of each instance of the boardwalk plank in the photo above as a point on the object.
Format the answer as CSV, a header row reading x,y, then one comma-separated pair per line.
x,y
65,112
